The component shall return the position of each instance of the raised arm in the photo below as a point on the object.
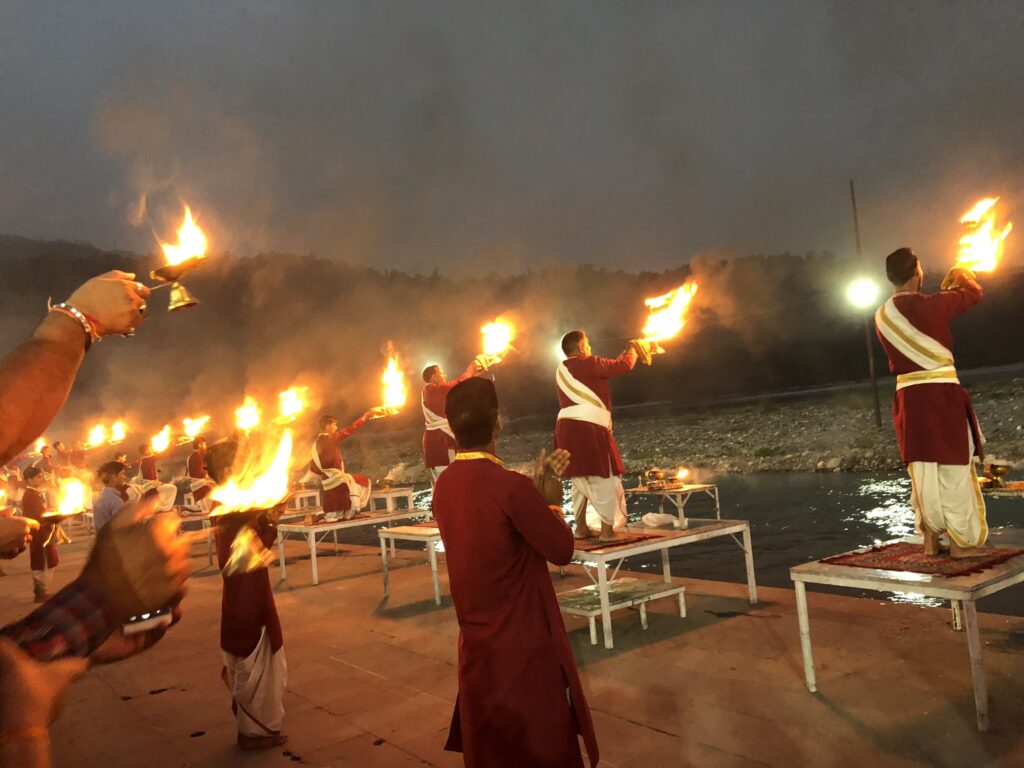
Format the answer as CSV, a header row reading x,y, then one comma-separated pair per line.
x,y
624,363
36,377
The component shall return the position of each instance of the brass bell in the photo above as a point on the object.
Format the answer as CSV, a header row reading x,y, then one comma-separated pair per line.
x,y
180,298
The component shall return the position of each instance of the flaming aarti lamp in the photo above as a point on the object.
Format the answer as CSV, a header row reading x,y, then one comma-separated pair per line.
x,y
182,258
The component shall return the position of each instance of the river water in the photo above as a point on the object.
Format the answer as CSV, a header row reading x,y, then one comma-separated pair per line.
x,y
798,517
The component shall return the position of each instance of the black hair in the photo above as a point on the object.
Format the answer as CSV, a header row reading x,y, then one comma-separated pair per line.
x,y
571,342
429,371
472,408
900,265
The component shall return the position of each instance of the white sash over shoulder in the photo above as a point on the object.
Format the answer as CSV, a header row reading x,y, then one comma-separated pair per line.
x,y
587,406
433,421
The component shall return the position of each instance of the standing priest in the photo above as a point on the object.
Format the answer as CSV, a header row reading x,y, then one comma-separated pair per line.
x,y
937,430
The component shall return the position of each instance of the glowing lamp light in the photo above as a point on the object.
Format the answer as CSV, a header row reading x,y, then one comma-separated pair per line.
x,y
862,293
247,416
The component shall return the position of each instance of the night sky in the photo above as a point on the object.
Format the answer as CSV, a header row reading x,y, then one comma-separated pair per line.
x,y
479,135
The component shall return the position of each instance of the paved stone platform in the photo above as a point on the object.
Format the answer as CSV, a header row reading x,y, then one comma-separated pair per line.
x,y
371,682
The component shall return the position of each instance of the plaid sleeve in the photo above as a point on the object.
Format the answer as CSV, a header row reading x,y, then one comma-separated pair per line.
x,y
73,622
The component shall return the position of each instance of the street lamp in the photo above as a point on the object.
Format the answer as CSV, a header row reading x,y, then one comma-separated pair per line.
x,y
862,293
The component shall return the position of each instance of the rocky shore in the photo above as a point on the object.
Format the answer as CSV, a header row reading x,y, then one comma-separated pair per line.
x,y
830,433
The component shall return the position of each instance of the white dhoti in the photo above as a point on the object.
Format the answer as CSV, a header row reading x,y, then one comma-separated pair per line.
x,y
599,500
166,493
947,497
257,684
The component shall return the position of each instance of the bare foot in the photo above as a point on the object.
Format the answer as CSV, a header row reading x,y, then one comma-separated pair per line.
x,y
583,533
963,553
933,545
607,532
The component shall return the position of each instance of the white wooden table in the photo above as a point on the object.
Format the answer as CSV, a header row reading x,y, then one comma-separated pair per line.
x,y
659,541
962,591
305,500
389,496
678,495
318,532
428,535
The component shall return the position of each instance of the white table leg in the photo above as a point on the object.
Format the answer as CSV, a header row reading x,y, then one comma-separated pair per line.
x,y
389,503
388,524
977,671
643,615
748,556
311,538
593,630
718,508
280,555
606,613
666,569
335,532
805,634
958,619
433,572
384,565
682,605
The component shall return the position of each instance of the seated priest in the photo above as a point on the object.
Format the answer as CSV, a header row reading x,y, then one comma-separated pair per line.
x,y
520,701
344,493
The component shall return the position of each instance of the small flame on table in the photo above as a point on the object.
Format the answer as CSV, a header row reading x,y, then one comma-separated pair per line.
x,y
982,245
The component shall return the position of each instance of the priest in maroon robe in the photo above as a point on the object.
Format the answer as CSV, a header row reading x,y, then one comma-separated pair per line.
x,y
520,702
438,438
344,493
200,483
255,669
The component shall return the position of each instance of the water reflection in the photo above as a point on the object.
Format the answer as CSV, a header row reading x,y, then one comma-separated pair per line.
x,y
892,512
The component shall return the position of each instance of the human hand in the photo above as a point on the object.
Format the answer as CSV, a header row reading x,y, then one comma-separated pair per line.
x,y
956,277
113,301
32,693
139,564
15,534
379,412
548,472
120,646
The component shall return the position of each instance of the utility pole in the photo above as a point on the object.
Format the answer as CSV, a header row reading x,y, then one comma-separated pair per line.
x,y
867,326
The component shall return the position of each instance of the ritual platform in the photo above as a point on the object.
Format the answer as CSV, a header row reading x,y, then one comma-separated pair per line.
x,y
994,571
678,496
427,535
598,556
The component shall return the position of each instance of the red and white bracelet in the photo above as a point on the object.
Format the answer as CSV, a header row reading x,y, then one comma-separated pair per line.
x,y
88,326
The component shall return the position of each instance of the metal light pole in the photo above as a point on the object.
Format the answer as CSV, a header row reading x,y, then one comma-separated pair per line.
x,y
867,326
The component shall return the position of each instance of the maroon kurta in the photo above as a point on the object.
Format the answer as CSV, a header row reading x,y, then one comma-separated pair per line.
x,y
437,443
327,448
40,557
196,468
78,458
931,420
591,447
148,469
247,604
514,656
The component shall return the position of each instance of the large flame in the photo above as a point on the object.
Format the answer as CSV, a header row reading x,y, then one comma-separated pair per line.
x,y
982,246
259,483
395,391
291,403
497,337
191,242
118,432
247,415
70,497
161,440
667,313
194,426
97,436
40,444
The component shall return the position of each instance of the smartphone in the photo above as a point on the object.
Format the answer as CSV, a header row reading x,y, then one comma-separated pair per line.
x,y
147,621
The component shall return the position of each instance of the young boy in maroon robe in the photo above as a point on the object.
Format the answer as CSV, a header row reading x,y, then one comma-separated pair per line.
x,y
255,669
520,701
42,555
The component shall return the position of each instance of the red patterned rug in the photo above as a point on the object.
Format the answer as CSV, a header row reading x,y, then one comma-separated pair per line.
x,y
905,556
589,545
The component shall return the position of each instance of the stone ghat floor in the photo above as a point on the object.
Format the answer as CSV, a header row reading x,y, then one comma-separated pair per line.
x,y
371,682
